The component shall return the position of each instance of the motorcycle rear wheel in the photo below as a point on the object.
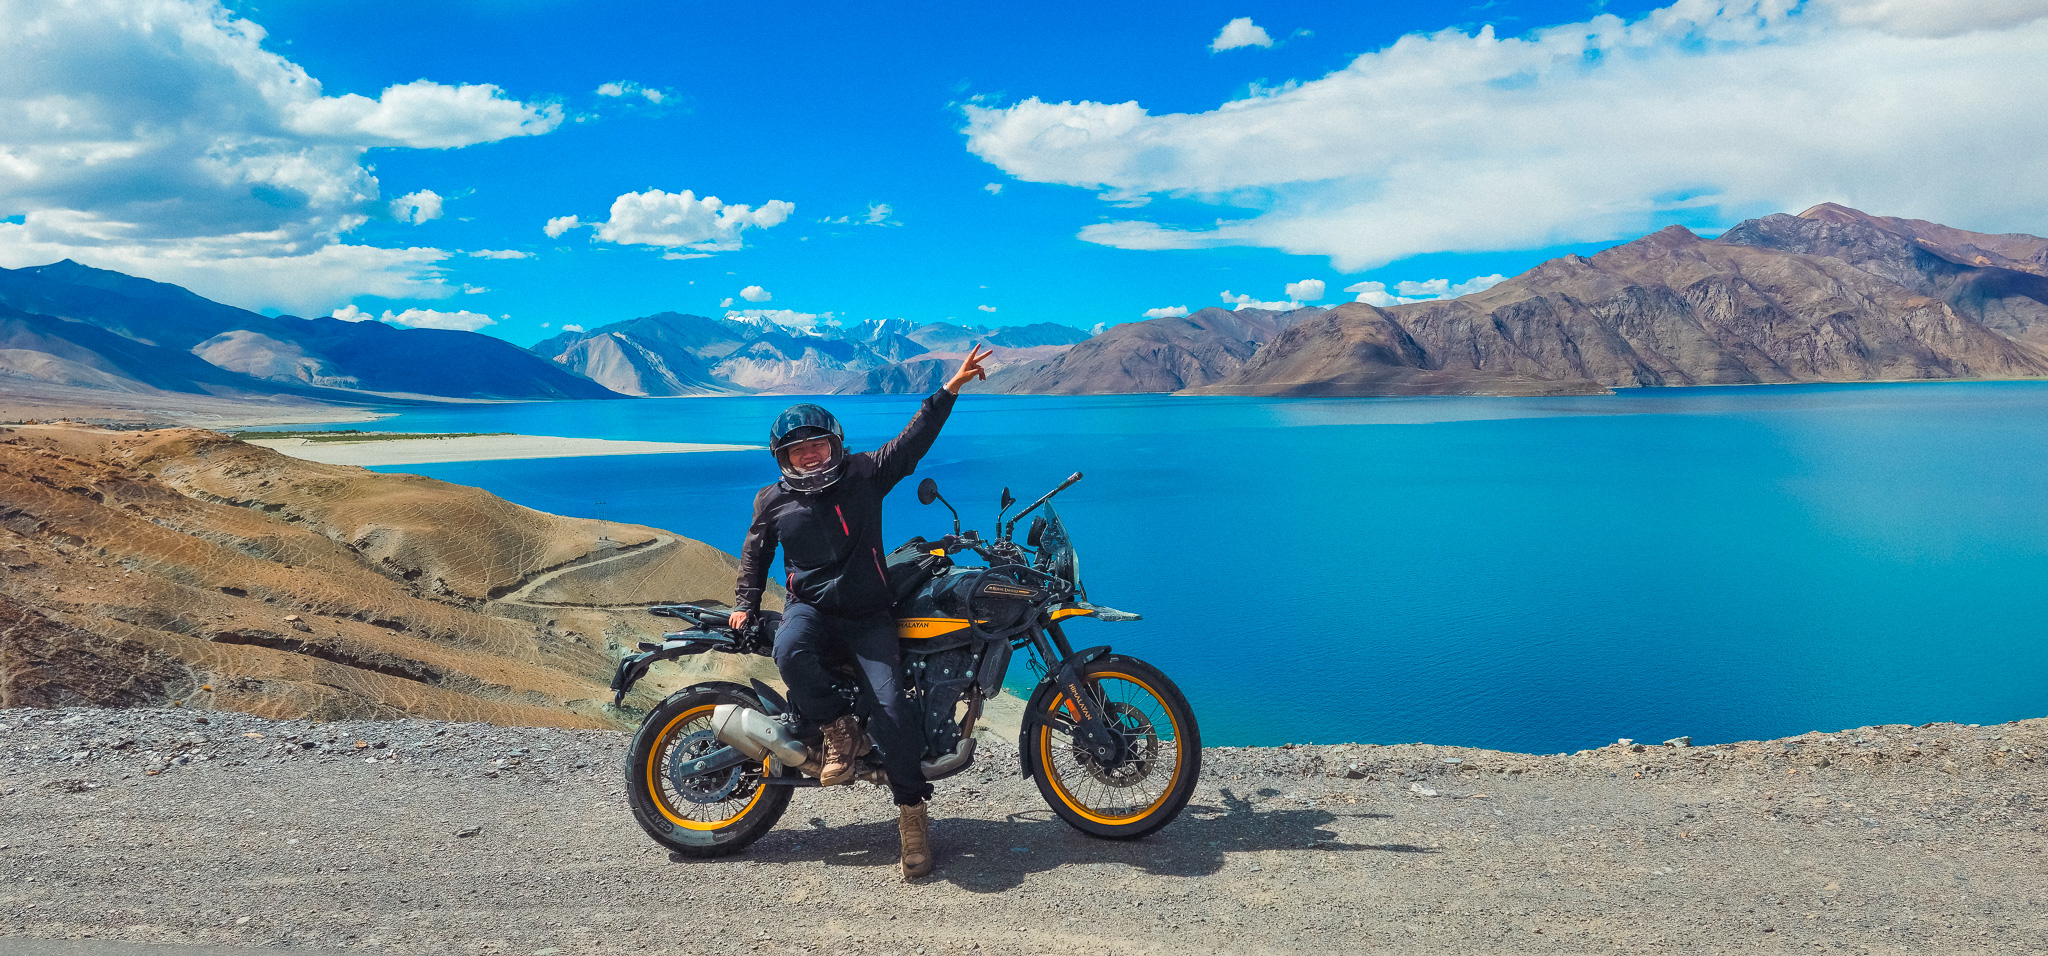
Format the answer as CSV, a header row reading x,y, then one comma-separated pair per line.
x,y
1151,789
727,813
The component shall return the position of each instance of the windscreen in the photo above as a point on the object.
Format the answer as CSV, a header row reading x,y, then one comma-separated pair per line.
x,y
1056,553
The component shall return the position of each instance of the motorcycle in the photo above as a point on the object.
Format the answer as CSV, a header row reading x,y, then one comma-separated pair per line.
x,y
1109,740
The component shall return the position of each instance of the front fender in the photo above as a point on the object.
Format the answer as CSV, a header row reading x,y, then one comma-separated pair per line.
x,y
1040,704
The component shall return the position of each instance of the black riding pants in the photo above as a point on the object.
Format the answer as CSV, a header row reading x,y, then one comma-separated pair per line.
x,y
808,638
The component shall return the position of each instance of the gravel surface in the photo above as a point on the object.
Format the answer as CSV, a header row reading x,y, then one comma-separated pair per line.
x,y
413,836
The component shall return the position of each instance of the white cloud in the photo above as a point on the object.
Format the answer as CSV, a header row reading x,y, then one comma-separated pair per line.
x,y
418,318
572,327
468,289
1247,302
1167,312
1582,132
986,308
499,254
678,220
1307,290
1375,293
686,255
754,293
878,213
994,189
1240,32
422,115
416,207
725,303
464,321
627,88
301,284
159,138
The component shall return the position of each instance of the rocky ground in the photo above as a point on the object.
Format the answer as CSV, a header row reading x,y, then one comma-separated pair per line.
x,y
416,836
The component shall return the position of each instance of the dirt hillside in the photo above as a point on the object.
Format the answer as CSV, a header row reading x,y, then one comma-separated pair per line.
x,y
182,566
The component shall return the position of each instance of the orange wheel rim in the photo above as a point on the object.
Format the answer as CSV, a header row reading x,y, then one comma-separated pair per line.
x,y
1059,786
660,796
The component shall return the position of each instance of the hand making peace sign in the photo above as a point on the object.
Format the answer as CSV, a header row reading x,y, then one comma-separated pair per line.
x,y
970,368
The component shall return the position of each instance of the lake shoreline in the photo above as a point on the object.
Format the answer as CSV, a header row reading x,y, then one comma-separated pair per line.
x,y
369,452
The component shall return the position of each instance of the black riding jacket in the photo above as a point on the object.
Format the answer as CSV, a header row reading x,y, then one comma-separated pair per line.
x,y
832,540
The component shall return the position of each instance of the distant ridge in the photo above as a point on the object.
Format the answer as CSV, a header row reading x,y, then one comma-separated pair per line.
x,y
670,353
1831,295
74,330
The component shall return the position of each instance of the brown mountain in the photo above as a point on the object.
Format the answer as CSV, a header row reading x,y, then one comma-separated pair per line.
x,y
1159,355
1831,295
182,565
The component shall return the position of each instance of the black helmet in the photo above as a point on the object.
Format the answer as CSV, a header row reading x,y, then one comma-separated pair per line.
x,y
800,423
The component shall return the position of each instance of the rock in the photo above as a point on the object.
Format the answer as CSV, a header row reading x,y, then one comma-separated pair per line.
x,y
1422,791
1678,742
466,832
1353,773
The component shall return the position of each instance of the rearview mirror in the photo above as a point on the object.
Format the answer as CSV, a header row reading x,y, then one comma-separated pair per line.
x,y
1037,532
1007,499
927,491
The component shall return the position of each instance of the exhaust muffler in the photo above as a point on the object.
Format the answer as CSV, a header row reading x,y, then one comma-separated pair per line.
x,y
760,736
757,735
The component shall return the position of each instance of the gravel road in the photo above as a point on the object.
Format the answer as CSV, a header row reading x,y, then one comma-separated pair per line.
x,y
173,826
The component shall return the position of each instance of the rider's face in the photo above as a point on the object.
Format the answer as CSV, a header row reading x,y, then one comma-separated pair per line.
x,y
808,456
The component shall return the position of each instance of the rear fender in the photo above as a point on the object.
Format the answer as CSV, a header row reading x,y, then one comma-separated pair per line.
x,y
632,667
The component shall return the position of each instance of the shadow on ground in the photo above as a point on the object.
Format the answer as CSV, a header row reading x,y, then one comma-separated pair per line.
x,y
989,856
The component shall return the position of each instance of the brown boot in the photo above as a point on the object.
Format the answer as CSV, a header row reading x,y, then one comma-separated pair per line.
x,y
916,826
839,752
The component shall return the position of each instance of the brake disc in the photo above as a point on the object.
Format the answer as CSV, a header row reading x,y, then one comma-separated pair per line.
x,y
1141,741
711,787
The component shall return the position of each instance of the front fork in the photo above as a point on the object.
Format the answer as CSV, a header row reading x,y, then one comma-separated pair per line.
x,y
1084,716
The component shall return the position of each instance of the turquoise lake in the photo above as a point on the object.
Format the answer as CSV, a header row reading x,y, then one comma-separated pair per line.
x,y
1535,575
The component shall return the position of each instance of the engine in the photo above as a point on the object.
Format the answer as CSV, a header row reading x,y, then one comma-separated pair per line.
x,y
937,682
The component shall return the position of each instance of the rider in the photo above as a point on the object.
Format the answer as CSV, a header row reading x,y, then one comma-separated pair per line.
x,y
826,513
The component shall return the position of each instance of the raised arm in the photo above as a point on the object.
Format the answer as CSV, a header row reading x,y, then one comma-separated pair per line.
x,y
897,459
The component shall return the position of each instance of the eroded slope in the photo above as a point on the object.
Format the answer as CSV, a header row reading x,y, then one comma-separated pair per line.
x,y
182,565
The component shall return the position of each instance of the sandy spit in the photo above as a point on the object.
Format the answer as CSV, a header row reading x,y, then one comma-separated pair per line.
x,y
427,451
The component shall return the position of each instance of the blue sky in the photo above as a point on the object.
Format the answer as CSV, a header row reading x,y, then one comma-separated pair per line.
x,y
1073,163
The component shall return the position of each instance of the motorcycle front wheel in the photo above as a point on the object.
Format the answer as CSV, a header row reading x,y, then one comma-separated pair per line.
x,y
711,814
1150,788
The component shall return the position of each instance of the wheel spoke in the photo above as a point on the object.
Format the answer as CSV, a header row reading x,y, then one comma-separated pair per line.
x,y
1135,712
730,807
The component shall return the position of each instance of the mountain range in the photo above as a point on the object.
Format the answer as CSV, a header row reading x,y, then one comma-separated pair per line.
x,y
72,331
1830,295
671,353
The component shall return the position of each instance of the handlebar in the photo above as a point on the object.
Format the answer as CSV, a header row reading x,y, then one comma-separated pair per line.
x,y
1019,516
